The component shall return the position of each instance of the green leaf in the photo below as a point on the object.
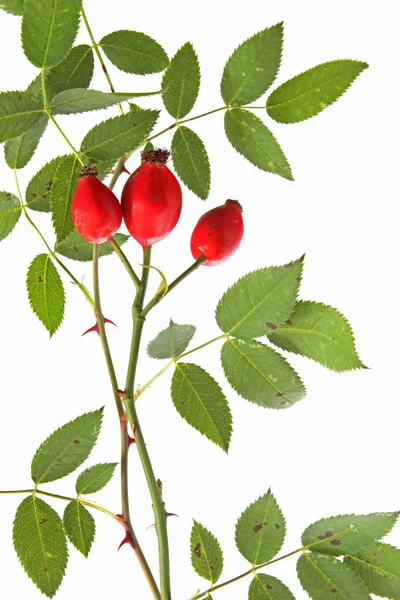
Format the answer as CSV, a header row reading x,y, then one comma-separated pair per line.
x,y
134,52
49,30
65,182
19,151
200,401
260,301
79,526
181,82
38,192
379,568
76,248
252,67
307,94
40,544
111,139
19,112
46,292
251,138
266,587
75,71
206,553
260,375
191,161
94,478
260,530
67,448
324,577
14,7
321,333
82,100
172,341
347,534
35,86
10,212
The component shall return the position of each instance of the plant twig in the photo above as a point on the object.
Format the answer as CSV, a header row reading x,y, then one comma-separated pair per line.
x,y
125,262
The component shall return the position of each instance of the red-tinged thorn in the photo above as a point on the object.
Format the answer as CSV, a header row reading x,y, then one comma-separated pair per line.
x,y
167,514
123,170
96,327
127,540
131,441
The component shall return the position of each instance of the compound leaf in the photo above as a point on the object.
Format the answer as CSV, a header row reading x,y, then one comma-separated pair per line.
x,y
181,82
79,526
206,553
134,52
94,478
172,341
75,71
83,100
46,292
191,161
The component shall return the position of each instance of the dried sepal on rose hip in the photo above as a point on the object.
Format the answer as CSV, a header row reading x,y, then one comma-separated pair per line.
x,y
96,211
218,233
151,199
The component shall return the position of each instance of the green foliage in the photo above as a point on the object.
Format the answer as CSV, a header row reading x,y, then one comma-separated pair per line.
x,y
76,248
379,568
65,182
200,401
251,138
82,100
46,292
10,212
321,333
259,301
191,161
75,71
307,94
117,136
266,587
347,534
181,82
206,553
67,448
38,192
260,375
49,30
134,52
79,526
40,544
19,111
252,67
14,7
19,151
94,478
260,530
324,577
172,341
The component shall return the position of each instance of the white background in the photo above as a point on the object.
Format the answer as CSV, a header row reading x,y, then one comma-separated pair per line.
x,y
336,451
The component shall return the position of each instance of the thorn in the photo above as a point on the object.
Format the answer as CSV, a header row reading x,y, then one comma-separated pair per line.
x,y
123,170
127,540
96,327
131,441
167,514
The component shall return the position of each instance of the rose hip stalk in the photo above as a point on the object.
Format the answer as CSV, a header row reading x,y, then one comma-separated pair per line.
x,y
151,199
218,233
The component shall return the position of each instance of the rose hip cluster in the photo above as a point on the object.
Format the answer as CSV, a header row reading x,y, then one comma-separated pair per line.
x,y
151,205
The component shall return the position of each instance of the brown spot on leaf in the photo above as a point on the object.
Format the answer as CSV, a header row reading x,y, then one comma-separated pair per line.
x,y
288,265
271,326
40,279
334,590
375,554
269,587
46,570
289,322
279,394
335,542
48,185
197,549
258,526
77,442
283,402
321,537
43,521
277,526
8,196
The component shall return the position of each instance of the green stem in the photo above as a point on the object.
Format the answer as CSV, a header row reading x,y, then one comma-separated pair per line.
x,y
74,151
125,262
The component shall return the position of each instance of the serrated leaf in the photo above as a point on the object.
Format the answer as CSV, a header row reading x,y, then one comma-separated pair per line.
x,y
260,375
79,526
266,587
19,151
379,568
117,136
347,534
76,248
325,577
251,138
14,7
307,94
206,553
252,67
46,292
191,161
82,100
10,212
200,401
38,192
40,544
19,112
134,52
321,333
75,71
259,301
172,341
260,530
49,30
181,82
65,182
94,478
67,448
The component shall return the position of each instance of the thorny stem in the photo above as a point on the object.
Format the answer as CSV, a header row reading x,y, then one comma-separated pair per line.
x,y
125,262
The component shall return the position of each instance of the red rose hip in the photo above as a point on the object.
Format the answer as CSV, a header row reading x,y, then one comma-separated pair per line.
x,y
151,199
96,212
218,233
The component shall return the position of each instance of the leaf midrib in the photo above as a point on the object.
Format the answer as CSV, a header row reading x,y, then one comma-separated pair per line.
x,y
325,576
294,329
372,566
